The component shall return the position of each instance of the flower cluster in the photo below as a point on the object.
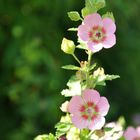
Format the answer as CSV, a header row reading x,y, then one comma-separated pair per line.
x,y
86,109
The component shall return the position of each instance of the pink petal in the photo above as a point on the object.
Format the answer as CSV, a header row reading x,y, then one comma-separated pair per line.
x,y
94,47
138,130
93,20
130,133
97,123
79,122
109,25
83,32
110,41
103,106
90,95
74,105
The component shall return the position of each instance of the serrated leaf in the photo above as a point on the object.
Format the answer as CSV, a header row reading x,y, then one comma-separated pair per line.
x,y
98,4
62,128
111,77
70,67
87,10
109,15
46,137
74,15
73,29
92,6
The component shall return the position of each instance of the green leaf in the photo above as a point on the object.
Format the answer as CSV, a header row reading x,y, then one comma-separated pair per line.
x,y
74,15
122,138
82,45
83,134
111,77
101,83
98,4
92,6
62,128
92,66
100,80
70,67
46,137
109,15
87,10
108,129
74,88
73,29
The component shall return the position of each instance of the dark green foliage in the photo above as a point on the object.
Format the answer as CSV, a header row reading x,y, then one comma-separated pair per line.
x,y
30,63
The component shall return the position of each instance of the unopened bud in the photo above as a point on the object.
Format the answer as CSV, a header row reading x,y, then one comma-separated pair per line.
x,y
67,46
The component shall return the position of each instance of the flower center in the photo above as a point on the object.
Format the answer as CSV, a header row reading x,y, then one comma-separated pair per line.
x,y
89,111
97,34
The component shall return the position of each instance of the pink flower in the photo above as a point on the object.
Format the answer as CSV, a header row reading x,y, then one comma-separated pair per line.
x,y
88,110
132,133
97,32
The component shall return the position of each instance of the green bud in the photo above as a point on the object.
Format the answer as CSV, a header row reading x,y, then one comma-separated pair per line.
x,y
67,46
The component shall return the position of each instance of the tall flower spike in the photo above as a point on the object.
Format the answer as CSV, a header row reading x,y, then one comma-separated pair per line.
x,y
88,110
98,33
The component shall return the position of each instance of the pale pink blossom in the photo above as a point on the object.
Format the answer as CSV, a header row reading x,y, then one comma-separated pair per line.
x,y
88,110
98,33
132,133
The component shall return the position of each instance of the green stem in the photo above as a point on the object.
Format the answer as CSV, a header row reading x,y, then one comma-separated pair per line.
x,y
89,57
88,71
91,132
76,58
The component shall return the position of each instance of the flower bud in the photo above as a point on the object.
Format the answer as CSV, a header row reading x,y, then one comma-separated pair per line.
x,y
67,46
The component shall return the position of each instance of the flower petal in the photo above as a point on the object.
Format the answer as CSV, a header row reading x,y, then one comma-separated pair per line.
x,y
130,133
93,20
94,47
138,130
109,25
90,95
79,122
103,106
83,32
74,105
97,123
110,41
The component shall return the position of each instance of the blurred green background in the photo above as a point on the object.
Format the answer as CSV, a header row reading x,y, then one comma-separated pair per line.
x,y
30,61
